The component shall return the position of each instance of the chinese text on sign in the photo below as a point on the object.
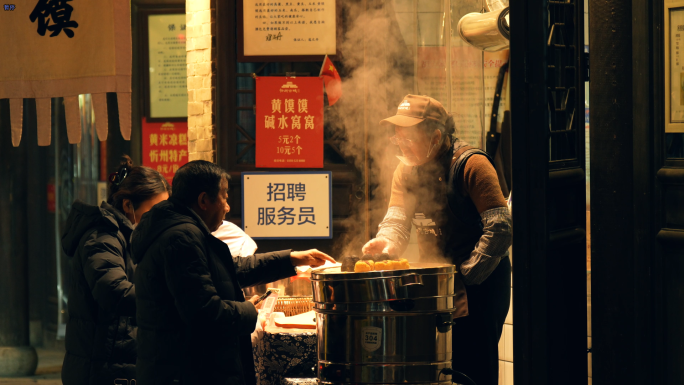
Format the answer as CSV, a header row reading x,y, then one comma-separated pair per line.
x,y
282,28
168,66
287,205
165,146
289,122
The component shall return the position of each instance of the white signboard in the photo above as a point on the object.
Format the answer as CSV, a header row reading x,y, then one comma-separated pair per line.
x,y
289,28
292,205
674,66
168,66
677,65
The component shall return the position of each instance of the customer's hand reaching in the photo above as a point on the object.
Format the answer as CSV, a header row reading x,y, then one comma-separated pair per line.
x,y
313,258
253,301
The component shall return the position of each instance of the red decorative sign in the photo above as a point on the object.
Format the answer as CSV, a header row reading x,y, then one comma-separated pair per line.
x,y
289,122
165,146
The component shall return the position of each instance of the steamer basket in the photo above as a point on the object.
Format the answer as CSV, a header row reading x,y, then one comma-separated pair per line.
x,y
292,306
299,288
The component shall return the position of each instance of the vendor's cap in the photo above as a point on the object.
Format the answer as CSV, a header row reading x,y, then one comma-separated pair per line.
x,y
415,109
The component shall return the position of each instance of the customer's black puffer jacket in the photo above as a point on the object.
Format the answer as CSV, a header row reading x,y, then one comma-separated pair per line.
x,y
194,323
100,335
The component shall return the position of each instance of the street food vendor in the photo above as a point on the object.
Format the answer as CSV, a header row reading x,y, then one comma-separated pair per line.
x,y
194,322
450,192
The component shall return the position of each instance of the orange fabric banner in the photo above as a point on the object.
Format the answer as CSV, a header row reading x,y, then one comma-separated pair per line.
x,y
67,48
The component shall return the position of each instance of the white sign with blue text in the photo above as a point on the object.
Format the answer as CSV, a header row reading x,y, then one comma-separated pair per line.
x,y
287,205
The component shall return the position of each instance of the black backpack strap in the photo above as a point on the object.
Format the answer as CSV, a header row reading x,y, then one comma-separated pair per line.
x,y
460,158
465,214
460,152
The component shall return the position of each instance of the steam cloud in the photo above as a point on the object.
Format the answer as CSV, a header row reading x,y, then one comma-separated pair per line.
x,y
378,70
383,72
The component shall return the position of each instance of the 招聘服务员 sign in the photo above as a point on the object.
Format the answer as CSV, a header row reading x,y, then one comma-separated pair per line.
x,y
287,204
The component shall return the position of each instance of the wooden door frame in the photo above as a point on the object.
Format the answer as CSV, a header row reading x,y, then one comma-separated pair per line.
x,y
636,290
116,145
226,59
549,253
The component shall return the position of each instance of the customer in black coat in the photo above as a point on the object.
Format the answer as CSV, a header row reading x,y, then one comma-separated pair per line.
x,y
100,335
194,323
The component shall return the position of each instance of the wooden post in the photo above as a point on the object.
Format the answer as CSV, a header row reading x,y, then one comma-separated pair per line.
x,y
17,358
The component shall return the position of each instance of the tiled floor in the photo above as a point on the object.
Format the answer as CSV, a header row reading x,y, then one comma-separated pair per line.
x,y
505,373
506,342
506,348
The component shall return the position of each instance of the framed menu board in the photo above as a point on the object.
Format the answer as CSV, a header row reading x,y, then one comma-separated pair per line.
x,y
298,30
674,66
164,66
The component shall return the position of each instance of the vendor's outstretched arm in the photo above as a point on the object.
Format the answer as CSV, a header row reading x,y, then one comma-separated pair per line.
x,y
396,229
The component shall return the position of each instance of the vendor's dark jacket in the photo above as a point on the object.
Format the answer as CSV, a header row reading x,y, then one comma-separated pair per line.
x,y
100,333
194,323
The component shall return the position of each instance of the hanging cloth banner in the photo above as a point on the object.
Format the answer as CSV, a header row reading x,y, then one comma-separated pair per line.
x,y
63,49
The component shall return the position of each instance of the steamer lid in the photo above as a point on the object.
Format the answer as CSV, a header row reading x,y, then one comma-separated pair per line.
x,y
335,273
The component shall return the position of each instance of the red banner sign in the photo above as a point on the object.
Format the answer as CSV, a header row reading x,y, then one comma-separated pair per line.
x,y
165,146
289,122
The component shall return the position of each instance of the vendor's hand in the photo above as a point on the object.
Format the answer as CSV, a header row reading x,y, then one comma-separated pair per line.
x,y
313,258
378,246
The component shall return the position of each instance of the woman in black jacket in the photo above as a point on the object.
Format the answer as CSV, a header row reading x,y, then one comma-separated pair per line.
x,y
101,330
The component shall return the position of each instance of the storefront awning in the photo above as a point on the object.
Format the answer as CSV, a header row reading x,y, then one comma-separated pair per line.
x,y
63,49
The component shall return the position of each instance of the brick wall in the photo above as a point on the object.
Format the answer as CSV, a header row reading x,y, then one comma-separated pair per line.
x,y
201,53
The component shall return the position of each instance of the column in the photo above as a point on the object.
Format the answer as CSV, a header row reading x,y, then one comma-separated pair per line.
x,y
17,357
200,55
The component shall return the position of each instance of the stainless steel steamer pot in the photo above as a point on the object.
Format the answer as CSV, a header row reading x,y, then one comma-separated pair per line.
x,y
384,327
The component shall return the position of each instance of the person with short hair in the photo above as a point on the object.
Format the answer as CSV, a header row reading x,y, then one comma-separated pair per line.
x,y
101,329
194,321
